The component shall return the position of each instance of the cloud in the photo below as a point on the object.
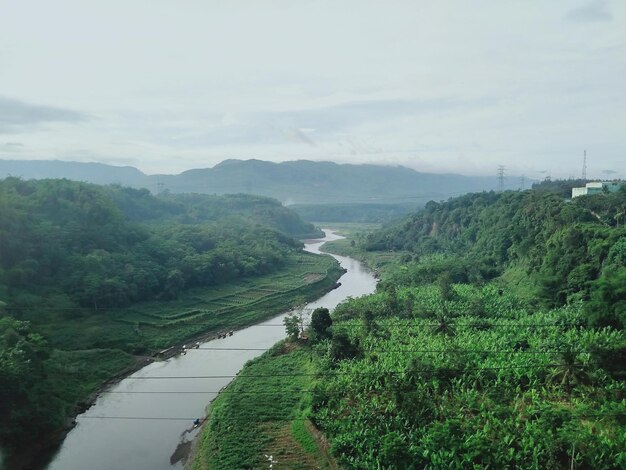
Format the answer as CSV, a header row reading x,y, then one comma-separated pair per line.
x,y
16,116
298,135
594,11
11,147
346,115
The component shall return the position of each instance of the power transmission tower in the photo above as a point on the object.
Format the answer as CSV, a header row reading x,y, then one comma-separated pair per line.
x,y
501,178
585,165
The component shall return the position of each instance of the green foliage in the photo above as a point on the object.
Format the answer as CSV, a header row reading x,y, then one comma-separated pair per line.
x,y
105,272
445,366
490,393
357,212
22,356
343,347
192,208
608,302
561,246
84,242
292,326
445,285
267,415
321,322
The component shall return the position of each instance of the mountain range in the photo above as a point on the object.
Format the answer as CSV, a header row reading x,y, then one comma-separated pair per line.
x,y
291,182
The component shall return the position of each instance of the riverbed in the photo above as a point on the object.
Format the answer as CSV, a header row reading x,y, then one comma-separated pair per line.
x,y
145,422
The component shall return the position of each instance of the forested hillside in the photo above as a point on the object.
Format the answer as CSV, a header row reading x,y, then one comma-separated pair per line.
x,y
82,244
140,205
495,340
90,275
548,249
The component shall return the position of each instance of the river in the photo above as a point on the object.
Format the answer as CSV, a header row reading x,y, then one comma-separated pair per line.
x,y
146,424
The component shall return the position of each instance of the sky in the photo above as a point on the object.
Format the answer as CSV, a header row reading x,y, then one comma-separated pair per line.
x,y
438,86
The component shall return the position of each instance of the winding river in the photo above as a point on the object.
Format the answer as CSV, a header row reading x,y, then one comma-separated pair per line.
x,y
147,424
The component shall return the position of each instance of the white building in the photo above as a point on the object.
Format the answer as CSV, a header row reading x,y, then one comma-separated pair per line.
x,y
597,187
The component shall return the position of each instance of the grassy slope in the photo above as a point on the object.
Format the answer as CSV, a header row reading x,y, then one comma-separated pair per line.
x,y
256,416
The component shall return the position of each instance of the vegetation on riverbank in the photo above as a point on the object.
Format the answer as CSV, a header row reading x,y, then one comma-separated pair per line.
x,y
90,276
145,327
353,212
495,340
265,411
479,380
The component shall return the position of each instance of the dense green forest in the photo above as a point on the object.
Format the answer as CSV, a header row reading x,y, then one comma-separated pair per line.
x,y
81,245
495,340
548,249
90,275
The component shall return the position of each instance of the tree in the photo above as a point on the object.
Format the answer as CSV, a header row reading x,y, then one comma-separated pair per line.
x,y
173,284
445,286
321,322
292,326
22,355
570,372
608,300
443,326
342,347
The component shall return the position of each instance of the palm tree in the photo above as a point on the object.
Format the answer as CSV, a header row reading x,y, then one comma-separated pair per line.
x,y
444,326
570,372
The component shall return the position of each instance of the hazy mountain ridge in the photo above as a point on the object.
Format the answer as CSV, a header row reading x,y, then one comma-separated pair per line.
x,y
98,173
300,181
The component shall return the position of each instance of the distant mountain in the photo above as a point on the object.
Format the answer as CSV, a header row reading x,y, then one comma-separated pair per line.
x,y
293,182
97,173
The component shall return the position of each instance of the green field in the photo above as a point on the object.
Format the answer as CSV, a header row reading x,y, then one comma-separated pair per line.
x,y
147,327
268,415
376,260
350,246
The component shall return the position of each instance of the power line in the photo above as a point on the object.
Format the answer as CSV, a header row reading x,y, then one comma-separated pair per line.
x,y
337,374
315,419
477,323
432,351
139,417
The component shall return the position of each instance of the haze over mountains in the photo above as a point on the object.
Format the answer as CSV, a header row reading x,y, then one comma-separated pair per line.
x,y
292,182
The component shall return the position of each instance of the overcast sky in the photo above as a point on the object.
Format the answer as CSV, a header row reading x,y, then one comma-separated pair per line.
x,y
442,85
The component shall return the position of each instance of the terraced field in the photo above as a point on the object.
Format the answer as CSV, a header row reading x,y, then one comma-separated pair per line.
x,y
222,301
233,305
148,327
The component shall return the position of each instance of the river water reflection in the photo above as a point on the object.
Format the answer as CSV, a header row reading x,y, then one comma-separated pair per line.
x,y
161,435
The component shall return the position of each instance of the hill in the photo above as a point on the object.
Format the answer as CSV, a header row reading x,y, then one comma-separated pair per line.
x,y
91,276
293,182
97,173
549,249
